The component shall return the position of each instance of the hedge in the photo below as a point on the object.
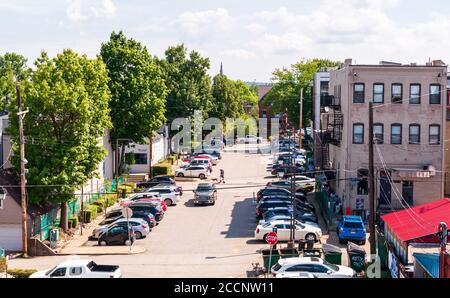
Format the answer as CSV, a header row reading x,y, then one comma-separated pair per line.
x,y
21,273
162,168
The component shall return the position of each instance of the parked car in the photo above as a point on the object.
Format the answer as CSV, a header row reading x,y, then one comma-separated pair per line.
x,y
209,152
287,185
317,266
207,149
155,181
303,180
117,235
201,172
261,207
140,227
79,269
113,213
301,216
298,201
145,197
351,228
305,232
145,209
200,162
213,159
295,275
149,218
249,139
206,193
274,191
169,194
273,218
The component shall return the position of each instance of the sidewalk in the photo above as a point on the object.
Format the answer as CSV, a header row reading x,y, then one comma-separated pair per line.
x,y
77,244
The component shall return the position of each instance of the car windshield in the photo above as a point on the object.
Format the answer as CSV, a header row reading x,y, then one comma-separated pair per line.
x,y
204,187
276,267
267,225
331,266
49,271
353,225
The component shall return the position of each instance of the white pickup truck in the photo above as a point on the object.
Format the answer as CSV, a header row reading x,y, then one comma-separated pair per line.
x,y
249,139
79,269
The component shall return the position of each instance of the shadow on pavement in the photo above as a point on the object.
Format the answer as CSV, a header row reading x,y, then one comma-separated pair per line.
x,y
242,220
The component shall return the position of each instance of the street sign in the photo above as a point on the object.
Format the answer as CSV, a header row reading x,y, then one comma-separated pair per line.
x,y
272,238
127,213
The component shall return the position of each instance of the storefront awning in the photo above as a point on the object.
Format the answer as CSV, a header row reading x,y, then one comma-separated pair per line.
x,y
429,262
419,221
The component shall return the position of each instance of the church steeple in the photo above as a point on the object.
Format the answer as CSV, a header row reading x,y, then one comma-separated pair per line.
x,y
221,69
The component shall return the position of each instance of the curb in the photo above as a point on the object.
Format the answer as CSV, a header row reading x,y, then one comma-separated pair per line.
x,y
91,253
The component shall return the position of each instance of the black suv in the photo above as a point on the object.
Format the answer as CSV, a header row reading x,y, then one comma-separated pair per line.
x,y
117,235
140,208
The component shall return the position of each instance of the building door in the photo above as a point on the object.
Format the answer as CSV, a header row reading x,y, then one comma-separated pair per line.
x,y
385,189
407,192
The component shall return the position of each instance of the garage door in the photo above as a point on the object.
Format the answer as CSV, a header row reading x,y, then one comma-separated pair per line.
x,y
11,237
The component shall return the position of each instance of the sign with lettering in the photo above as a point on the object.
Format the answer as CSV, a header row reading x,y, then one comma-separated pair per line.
x,y
272,238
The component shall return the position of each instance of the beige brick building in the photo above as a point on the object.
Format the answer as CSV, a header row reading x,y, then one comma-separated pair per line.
x,y
409,126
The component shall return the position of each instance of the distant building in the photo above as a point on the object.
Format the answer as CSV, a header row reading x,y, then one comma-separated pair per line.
x,y
409,127
447,144
265,111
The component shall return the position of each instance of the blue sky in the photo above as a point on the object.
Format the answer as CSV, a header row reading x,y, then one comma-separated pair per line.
x,y
250,37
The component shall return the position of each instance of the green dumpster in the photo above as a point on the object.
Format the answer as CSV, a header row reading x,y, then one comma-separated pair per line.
x,y
269,260
288,253
356,257
332,254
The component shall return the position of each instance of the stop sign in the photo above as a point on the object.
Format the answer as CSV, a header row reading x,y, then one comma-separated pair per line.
x,y
272,238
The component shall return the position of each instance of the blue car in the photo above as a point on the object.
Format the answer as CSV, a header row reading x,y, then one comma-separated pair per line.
x,y
351,228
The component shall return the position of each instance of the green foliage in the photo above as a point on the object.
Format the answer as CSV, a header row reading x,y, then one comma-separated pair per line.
x,y
288,82
21,273
187,81
12,64
2,264
226,101
137,88
130,159
67,98
162,168
247,95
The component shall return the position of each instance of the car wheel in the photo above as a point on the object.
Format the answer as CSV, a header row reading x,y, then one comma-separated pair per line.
x,y
138,235
202,176
168,202
265,237
180,175
102,243
213,203
341,241
363,242
310,237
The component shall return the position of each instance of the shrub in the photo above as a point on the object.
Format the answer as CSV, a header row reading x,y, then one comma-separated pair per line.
x,y
163,168
111,199
21,273
87,216
2,264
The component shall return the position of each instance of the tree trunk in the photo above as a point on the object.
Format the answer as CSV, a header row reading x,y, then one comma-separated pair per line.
x,y
64,217
122,160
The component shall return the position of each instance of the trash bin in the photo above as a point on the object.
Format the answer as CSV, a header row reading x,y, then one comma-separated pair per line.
x,y
356,257
268,260
310,244
332,254
288,253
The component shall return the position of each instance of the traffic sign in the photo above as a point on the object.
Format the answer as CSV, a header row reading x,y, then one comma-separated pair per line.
x,y
272,238
127,212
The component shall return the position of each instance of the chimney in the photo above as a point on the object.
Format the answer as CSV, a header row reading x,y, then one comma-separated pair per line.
x,y
347,62
429,64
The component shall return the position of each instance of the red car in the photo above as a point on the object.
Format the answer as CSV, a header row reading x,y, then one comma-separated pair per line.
x,y
143,198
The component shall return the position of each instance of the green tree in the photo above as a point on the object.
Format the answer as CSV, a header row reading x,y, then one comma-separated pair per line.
x,y
248,97
188,83
137,88
226,102
12,65
287,83
68,99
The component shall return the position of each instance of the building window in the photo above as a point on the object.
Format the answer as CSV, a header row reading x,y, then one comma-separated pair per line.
x,y
378,93
397,93
414,134
358,133
396,134
407,192
358,93
414,93
140,158
378,133
435,134
264,114
435,94
363,185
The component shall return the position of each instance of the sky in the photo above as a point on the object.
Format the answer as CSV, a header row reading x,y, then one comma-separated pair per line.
x,y
250,37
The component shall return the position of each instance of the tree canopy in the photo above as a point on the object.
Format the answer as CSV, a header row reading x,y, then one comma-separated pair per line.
x,y
287,84
226,101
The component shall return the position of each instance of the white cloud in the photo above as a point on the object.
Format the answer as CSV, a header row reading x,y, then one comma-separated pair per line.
x,y
106,9
238,53
203,23
74,11
255,28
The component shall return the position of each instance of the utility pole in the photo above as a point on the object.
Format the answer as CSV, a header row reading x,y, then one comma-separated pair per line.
x,y
82,210
117,168
23,180
151,155
300,124
443,254
371,183
291,243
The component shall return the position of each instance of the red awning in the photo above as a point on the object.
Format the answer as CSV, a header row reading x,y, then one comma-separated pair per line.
x,y
419,221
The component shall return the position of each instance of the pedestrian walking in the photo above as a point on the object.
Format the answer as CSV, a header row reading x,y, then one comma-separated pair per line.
x,y
222,176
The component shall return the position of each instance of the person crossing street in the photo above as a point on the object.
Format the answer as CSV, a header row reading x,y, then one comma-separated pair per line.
x,y
222,176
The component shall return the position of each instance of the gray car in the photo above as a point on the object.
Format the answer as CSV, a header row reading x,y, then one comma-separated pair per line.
x,y
205,193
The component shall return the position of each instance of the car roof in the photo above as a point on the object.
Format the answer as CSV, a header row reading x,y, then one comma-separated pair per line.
x,y
352,218
70,263
205,184
300,260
